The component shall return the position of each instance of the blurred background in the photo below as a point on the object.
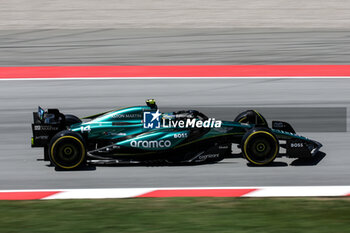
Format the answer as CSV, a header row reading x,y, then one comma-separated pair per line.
x,y
166,32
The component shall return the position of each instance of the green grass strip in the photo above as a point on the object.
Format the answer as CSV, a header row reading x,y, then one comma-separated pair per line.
x,y
177,215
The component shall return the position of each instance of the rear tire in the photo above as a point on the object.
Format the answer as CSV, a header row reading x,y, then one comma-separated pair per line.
x,y
260,146
67,150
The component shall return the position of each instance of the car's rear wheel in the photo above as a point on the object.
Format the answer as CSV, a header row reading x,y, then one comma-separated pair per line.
x,y
67,150
260,146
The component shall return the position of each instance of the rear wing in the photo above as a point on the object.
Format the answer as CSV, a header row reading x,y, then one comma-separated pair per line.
x,y
45,125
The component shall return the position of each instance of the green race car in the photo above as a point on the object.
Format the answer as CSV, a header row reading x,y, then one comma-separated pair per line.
x,y
143,134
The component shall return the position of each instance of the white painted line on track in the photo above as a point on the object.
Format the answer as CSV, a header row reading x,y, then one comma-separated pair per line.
x,y
301,191
168,78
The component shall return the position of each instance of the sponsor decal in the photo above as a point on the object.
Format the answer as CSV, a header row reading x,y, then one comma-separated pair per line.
x,y
151,144
192,123
127,116
44,127
152,120
202,157
180,135
297,145
208,156
167,116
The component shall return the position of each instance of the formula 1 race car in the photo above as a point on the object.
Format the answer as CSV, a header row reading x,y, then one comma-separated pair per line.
x,y
142,134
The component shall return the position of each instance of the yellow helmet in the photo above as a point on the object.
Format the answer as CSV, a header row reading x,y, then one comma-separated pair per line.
x,y
151,103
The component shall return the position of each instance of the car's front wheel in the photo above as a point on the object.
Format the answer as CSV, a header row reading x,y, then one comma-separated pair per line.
x,y
67,150
260,146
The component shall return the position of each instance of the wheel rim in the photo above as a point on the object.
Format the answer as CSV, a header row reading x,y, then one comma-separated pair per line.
x,y
67,152
260,147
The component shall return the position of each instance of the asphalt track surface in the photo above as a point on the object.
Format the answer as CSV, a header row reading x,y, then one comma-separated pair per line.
x,y
41,14
191,46
21,167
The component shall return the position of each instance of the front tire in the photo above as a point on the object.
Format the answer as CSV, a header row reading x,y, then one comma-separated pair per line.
x,y
67,150
260,146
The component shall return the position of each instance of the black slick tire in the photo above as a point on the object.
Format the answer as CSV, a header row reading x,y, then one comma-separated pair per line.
x,y
260,146
67,150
